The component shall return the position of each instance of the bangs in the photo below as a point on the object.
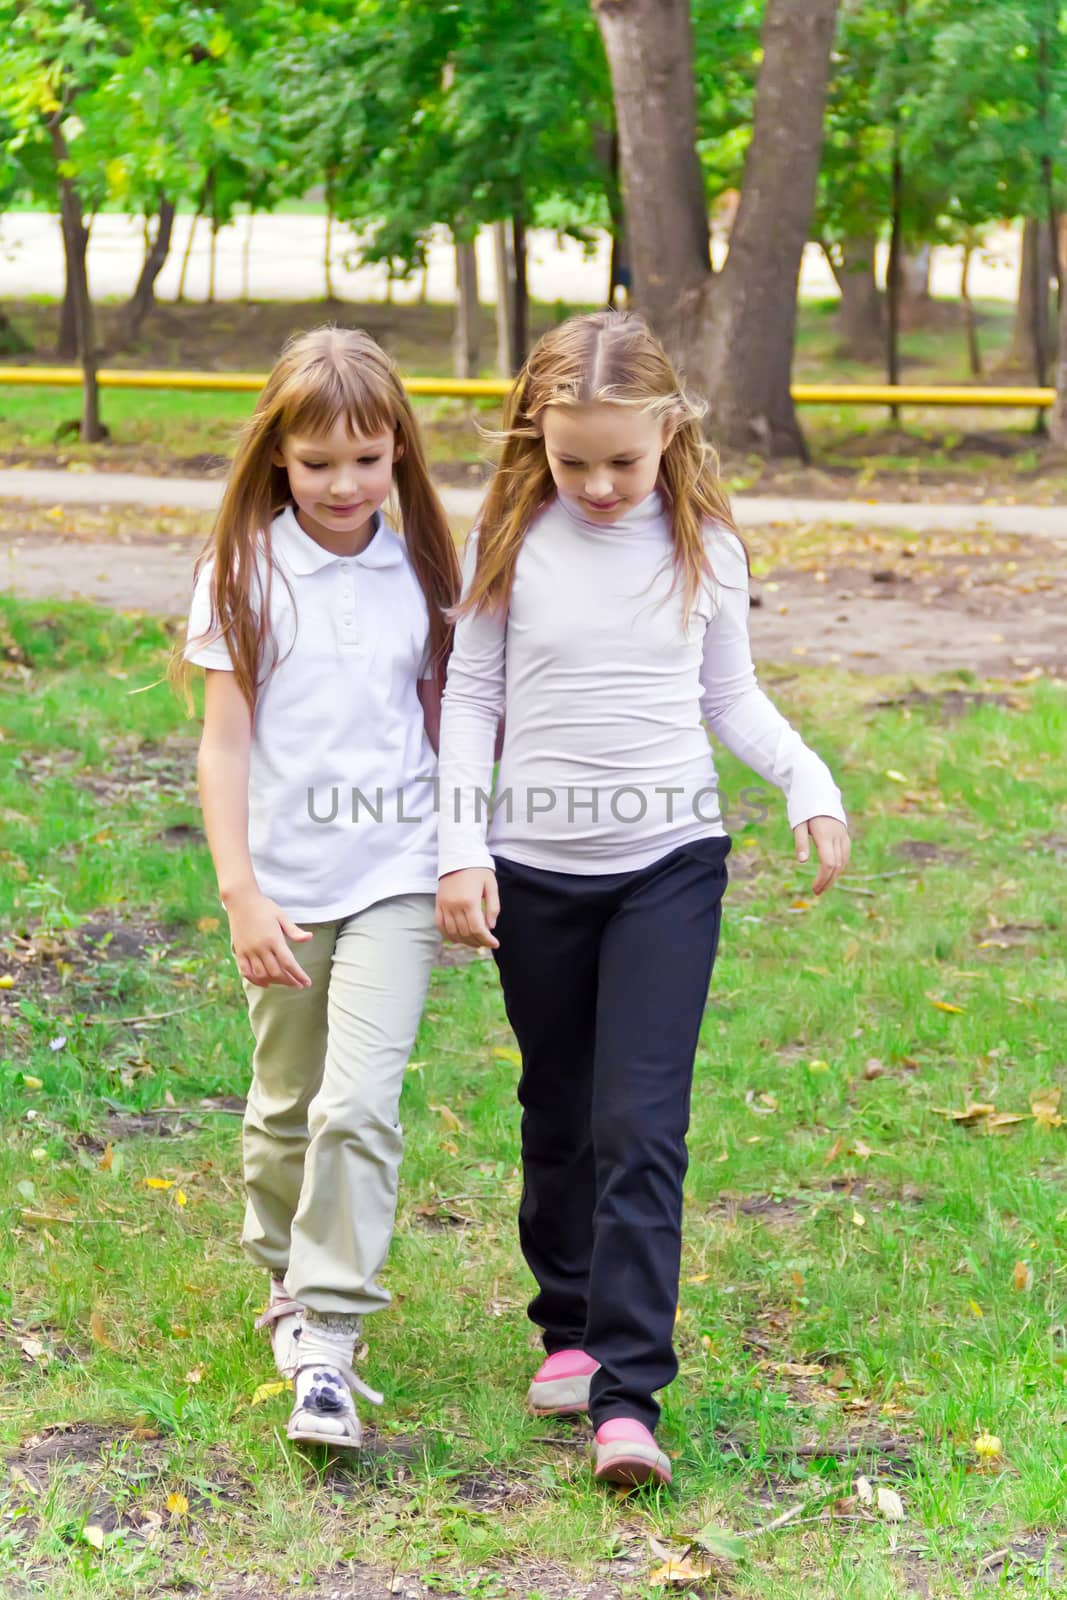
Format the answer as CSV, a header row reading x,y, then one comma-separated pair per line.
x,y
328,391
333,375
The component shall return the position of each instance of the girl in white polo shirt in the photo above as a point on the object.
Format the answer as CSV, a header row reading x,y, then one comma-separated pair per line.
x,y
323,633
605,607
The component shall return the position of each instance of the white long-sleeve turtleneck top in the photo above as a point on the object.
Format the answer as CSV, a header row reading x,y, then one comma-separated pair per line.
x,y
607,691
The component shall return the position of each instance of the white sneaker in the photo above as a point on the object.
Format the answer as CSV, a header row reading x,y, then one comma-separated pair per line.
x,y
323,1410
284,1321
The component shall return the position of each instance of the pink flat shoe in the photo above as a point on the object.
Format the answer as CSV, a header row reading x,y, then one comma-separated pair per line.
x,y
560,1386
626,1453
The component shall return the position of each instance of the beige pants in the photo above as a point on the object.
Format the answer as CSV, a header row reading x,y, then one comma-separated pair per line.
x,y
322,1137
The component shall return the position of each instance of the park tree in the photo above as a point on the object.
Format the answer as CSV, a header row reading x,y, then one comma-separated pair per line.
x,y
461,116
732,330
59,57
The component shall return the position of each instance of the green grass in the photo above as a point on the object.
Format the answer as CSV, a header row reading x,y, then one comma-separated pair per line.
x,y
849,1301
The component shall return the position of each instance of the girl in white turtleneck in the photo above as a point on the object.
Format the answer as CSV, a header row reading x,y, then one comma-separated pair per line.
x,y
605,612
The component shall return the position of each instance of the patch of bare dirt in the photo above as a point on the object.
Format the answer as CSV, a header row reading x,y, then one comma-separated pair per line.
x,y
776,1210
1041,1555
44,960
133,769
461,955
926,853
950,703
894,602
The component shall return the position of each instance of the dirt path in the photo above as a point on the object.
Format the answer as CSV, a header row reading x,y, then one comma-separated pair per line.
x,y
993,607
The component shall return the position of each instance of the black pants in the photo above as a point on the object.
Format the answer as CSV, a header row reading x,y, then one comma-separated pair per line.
x,y
605,979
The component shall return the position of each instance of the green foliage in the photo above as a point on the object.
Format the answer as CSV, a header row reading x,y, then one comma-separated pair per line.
x,y
975,93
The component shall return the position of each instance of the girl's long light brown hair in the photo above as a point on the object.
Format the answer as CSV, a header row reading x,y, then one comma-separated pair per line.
x,y
613,358
321,376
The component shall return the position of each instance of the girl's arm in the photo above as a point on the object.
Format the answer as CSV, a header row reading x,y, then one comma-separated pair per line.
x,y
467,903
259,929
737,712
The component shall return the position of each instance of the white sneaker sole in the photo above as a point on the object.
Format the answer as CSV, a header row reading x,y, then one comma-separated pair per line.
x,y
559,1397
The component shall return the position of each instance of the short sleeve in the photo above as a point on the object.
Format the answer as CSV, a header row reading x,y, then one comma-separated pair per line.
x,y
200,647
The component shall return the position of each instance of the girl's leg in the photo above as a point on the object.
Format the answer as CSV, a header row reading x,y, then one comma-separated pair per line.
x,y
549,950
344,1221
289,1026
655,965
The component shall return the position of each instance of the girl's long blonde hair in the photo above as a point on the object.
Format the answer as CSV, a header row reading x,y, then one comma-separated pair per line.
x,y
608,357
321,376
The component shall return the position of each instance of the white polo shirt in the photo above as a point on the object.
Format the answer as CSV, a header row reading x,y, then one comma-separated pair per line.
x,y
341,779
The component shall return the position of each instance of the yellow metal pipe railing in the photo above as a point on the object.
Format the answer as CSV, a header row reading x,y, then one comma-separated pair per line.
x,y
806,394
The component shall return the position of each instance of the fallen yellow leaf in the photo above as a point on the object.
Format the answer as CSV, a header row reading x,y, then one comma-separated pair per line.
x,y
946,1005
976,1308
107,1159
1045,1105
31,1082
267,1391
98,1333
207,924
974,1112
159,1183
93,1534
896,777
6,981
680,1571
177,1504
858,1219
503,1054
449,1118
1022,1278
180,1197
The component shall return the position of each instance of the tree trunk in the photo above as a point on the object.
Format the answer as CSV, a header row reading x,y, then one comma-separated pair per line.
x,y
505,350
143,297
466,342
619,273
520,300
754,306
246,258
329,236
916,301
1035,277
76,245
893,273
67,340
189,248
974,354
861,317
1057,426
736,342
649,45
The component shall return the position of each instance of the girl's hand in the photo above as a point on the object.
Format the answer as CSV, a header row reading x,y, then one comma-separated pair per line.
x,y
258,932
468,905
832,846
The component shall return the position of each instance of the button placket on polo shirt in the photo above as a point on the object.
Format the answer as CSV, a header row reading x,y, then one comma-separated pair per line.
x,y
347,631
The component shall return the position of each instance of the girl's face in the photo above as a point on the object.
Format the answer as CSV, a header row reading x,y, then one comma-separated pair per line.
x,y
604,456
337,481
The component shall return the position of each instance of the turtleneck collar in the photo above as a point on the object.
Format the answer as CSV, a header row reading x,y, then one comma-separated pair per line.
x,y
642,518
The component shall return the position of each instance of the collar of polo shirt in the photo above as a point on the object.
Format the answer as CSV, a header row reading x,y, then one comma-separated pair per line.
x,y
302,555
